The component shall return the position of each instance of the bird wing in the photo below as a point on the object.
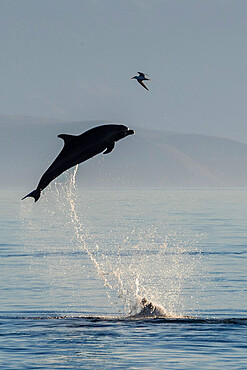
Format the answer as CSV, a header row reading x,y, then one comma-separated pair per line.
x,y
145,87
141,74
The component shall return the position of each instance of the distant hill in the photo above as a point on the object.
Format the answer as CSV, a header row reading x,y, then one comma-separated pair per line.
x,y
150,159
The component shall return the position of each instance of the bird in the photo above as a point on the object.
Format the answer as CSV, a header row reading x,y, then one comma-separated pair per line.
x,y
140,79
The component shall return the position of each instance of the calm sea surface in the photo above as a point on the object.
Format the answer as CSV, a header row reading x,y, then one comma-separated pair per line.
x,y
75,265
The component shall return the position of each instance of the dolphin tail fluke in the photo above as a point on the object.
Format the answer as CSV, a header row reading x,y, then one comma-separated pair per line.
x,y
35,194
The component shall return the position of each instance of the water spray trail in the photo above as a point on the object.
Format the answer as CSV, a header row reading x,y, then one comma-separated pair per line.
x,y
78,227
114,274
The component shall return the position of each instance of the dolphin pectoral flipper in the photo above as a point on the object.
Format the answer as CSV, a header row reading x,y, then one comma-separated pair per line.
x,y
109,148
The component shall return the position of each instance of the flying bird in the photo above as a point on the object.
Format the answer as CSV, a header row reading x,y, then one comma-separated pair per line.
x,y
78,149
141,78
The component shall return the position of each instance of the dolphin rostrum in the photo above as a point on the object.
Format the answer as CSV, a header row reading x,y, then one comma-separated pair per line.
x,y
78,149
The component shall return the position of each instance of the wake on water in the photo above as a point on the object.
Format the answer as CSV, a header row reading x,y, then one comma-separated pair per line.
x,y
131,283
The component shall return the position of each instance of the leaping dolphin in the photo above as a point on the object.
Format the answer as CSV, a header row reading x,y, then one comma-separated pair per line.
x,y
79,148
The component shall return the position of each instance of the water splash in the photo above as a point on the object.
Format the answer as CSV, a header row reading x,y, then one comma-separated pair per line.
x,y
132,251
162,272
79,232
112,277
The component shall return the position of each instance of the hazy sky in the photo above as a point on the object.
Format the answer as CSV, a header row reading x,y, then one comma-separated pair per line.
x,y
73,59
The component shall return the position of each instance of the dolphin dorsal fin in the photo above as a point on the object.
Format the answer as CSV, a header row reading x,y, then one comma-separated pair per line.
x,y
68,139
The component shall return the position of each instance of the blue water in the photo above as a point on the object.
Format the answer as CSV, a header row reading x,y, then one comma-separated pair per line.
x,y
76,264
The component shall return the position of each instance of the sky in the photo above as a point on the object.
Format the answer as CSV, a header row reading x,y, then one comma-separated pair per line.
x,y
74,59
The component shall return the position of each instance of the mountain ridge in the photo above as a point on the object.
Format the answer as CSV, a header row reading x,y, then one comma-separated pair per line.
x,y
150,159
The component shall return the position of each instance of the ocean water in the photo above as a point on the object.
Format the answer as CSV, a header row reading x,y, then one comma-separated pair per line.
x,y
76,265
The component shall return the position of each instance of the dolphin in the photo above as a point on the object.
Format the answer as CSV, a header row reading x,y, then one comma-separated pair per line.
x,y
78,149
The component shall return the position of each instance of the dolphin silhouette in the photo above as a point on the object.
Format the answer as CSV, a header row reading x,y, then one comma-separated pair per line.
x,y
79,148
